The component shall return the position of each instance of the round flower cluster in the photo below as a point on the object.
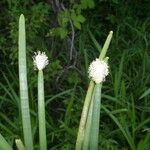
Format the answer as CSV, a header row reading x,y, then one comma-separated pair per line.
x,y
98,70
40,60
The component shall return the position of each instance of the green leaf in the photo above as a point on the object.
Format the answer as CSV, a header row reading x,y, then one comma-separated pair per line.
x,y
115,1
144,143
4,144
52,32
77,24
80,18
147,92
125,132
73,15
62,32
73,78
66,13
97,45
91,3
84,4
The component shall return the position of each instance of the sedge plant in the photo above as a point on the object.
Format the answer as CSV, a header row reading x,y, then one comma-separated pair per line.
x,y
89,124
88,132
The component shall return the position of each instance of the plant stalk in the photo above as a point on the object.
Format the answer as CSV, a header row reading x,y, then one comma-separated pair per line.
x,y
24,86
94,136
106,46
87,133
41,112
80,136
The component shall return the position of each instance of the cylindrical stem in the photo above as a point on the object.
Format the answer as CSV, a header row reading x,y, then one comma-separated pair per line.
x,y
41,112
95,118
87,133
24,87
83,119
106,45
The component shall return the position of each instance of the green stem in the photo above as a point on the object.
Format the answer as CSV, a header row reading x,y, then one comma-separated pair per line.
x,y
24,87
106,45
83,119
95,118
88,126
41,112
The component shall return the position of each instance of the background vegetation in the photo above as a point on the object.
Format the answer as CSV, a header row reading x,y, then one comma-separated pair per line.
x,y
68,31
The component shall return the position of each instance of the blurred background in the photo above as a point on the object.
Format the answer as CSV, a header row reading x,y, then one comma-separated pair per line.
x,y
72,32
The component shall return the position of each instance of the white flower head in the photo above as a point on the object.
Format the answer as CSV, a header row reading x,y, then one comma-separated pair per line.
x,y
98,70
40,60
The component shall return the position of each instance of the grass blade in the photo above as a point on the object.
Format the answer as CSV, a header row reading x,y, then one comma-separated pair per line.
x,y
8,121
126,135
146,93
57,96
97,45
4,144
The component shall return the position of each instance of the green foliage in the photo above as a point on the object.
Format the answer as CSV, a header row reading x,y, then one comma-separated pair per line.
x,y
125,92
34,26
73,78
4,144
71,17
